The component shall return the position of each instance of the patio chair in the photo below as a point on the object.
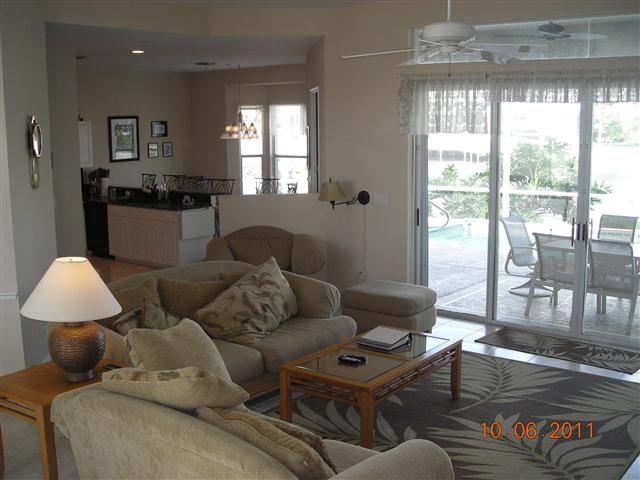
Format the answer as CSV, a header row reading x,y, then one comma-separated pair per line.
x,y
613,272
617,227
555,268
522,253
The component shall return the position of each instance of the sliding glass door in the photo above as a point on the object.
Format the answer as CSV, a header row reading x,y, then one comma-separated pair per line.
x,y
539,150
614,254
535,223
458,206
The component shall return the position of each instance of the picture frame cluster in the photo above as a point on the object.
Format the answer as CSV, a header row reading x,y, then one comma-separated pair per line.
x,y
124,139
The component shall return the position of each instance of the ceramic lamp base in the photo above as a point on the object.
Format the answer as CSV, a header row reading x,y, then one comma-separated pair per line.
x,y
77,348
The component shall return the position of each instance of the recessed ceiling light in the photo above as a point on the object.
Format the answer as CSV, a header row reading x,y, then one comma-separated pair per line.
x,y
137,51
204,64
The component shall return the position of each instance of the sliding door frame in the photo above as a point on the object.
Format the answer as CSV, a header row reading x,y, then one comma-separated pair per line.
x,y
419,149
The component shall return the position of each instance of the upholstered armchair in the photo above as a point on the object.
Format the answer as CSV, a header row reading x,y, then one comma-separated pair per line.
x,y
293,252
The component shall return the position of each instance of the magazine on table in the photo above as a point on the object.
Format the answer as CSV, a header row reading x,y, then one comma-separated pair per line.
x,y
385,338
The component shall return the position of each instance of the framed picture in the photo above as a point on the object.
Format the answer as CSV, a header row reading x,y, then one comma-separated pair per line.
x,y
159,129
123,139
167,149
152,150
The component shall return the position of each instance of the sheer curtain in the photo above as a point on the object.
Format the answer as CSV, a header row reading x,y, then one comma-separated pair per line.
x,y
454,104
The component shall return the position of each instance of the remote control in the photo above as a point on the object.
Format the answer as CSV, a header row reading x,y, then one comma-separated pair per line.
x,y
349,360
359,356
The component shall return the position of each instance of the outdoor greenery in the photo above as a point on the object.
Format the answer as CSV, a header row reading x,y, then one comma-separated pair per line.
x,y
548,167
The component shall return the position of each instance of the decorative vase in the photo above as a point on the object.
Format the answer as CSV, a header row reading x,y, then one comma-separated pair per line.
x,y
104,187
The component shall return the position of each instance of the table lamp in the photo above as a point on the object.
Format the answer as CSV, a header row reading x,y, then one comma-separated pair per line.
x,y
72,293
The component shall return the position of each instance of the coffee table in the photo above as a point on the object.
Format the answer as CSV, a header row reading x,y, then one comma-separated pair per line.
x,y
364,386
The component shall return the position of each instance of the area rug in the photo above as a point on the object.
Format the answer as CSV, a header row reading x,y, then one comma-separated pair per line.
x,y
505,392
616,359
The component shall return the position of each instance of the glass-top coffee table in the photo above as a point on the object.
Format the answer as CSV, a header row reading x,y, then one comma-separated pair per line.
x,y
320,374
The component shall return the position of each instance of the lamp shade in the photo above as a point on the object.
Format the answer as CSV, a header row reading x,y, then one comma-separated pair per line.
x,y
70,291
331,192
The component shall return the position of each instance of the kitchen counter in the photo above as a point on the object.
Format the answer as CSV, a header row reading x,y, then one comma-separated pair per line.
x,y
147,203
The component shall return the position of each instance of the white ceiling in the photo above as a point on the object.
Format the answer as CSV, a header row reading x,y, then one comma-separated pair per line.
x,y
170,52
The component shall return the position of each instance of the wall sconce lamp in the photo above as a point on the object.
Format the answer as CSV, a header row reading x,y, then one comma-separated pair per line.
x,y
332,192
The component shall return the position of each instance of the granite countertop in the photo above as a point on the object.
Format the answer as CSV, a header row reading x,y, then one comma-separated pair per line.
x,y
157,205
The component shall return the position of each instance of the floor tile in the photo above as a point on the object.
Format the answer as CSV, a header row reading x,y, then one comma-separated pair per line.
x,y
451,332
481,348
467,325
631,377
573,366
512,354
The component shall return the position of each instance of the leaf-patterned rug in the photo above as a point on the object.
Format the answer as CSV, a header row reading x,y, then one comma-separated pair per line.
x,y
616,359
510,394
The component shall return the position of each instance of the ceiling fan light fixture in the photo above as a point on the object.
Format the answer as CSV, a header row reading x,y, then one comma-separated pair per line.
x,y
449,32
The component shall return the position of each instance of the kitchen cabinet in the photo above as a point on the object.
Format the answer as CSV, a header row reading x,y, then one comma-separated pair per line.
x,y
157,237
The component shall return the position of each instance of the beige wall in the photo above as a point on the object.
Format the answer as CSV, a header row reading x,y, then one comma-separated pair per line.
x,y
150,96
214,93
24,69
63,108
11,351
360,143
295,213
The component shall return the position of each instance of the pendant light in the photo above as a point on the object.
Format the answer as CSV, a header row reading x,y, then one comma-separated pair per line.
x,y
238,129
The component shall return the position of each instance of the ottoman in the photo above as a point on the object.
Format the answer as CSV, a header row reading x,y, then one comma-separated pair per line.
x,y
392,304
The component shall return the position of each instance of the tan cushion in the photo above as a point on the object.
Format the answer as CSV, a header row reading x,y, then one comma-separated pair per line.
x,y
251,308
149,315
310,438
186,388
243,363
317,299
301,336
185,345
293,453
344,455
393,298
132,298
306,259
217,249
258,250
184,299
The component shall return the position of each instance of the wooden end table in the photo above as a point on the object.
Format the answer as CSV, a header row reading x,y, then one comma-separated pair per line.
x,y
27,395
364,386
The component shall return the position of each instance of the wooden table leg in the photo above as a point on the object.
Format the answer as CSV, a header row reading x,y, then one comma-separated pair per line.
x,y
456,373
365,403
285,397
47,444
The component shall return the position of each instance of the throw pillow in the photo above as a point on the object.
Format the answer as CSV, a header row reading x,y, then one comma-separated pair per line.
x,y
310,438
149,315
251,308
185,345
183,299
293,453
132,298
186,388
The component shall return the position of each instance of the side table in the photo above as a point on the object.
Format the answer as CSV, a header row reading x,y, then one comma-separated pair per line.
x,y
27,395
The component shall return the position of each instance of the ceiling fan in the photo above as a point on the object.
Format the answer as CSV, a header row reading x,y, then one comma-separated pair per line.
x,y
445,39
552,31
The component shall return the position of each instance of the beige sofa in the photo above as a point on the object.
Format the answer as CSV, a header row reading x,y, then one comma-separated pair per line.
x,y
114,436
254,245
255,367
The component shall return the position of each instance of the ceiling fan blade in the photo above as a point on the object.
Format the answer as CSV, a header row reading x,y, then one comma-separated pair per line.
x,y
374,54
523,36
420,59
422,40
585,36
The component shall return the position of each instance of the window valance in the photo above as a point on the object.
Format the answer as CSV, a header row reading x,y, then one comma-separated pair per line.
x,y
454,104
